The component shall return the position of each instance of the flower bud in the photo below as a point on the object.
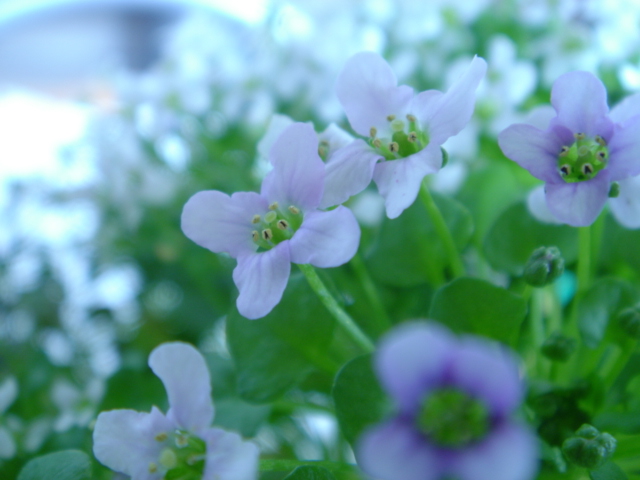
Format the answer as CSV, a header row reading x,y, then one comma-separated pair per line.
x,y
445,157
544,266
629,321
589,448
558,347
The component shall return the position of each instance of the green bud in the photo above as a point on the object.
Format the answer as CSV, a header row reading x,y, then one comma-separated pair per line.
x,y
589,448
558,347
614,190
629,321
544,266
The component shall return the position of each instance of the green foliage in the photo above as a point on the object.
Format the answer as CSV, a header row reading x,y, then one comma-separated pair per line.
x,y
471,305
307,472
274,353
409,252
65,465
516,234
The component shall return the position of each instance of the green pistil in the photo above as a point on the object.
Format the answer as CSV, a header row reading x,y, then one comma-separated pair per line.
x,y
406,139
452,419
275,226
183,457
583,159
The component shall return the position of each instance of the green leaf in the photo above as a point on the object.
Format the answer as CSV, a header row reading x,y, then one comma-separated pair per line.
x,y
64,465
409,252
516,234
600,304
608,471
471,305
359,399
275,353
308,472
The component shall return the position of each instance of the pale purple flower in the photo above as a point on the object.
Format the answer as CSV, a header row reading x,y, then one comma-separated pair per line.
x,y
404,130
267,231
455,397
146,446
582,150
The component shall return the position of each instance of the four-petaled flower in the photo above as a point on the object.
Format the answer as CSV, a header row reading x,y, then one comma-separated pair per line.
x,y
583,149
404,130
265,232
181,444
454,399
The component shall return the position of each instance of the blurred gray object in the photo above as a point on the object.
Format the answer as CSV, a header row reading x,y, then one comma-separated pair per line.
x,y
49,42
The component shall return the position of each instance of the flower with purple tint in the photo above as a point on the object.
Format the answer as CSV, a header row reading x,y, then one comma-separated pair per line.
x,y
582,151
181,444
404,130
454,398
267,231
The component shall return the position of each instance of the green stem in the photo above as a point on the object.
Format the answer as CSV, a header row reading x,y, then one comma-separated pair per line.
x,y
442,230
584,260
343,318
383,323
622,357
272,465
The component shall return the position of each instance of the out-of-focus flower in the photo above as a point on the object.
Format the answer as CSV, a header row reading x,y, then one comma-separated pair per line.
x,y
280,225
404,130
583,149
454,398
146,446
8,394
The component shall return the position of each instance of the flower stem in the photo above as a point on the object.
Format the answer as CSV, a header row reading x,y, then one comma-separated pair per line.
x,y
584,260
383,323
442,230
343,318
345,470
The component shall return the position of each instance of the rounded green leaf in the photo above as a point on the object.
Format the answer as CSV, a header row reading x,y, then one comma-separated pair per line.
x,y
409,251
359,399
64,465
471,305
276,352
516,234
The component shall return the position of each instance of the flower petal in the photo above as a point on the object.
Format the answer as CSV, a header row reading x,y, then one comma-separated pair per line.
x,y
399,181
411,360
186,379
540,116
221,223
277,125
535,150
488,372
326,239
336,138
626,207
124,441
509,453
229,457
624,150
261,279
453,110
537,203
394,451
627,109
578,204
367,89
348,172
581,102
297,177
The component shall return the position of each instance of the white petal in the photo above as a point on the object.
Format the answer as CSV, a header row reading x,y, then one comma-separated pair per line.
x,y
186,379
626,207
229,457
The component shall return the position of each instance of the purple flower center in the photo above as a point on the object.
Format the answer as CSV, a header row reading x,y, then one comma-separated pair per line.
x,y
403,139
183,456
275,226
452,419
583,159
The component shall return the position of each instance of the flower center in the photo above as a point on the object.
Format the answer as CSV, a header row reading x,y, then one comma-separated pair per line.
x,y
183,456
405,138
583,159
452,419
275,226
